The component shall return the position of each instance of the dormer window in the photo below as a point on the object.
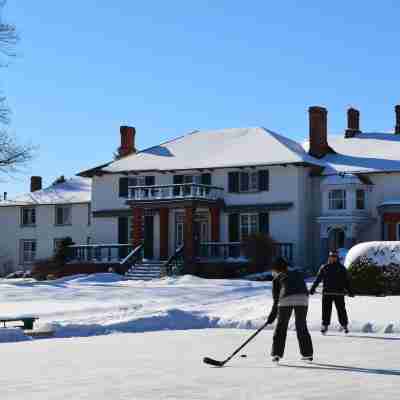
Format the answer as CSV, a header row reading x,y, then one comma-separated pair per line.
x,y
337,199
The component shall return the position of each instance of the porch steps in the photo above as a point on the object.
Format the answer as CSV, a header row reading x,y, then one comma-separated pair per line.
x,y
145,271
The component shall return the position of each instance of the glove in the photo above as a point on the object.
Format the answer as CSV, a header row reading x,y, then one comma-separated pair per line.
x,y
311,292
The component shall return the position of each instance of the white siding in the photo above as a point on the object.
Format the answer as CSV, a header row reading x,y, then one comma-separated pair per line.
x,y
44,232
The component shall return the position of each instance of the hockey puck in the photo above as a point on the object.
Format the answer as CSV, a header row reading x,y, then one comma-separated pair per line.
x,y
243,355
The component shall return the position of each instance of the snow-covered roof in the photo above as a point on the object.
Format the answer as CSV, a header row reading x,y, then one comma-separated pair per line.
x,y
234,147
73,190
365,153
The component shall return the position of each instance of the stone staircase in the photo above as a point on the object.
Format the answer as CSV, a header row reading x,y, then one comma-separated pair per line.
x,y
146,270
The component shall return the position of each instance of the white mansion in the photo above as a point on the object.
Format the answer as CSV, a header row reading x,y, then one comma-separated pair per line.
x,y
207,190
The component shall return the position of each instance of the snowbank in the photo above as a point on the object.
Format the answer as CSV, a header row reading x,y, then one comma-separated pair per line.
x,y
12,335
99,304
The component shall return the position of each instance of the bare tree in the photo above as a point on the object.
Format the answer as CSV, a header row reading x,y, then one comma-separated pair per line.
x,y
12,154
8,35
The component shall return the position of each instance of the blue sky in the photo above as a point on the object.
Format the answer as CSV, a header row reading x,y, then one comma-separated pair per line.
x,y
168,67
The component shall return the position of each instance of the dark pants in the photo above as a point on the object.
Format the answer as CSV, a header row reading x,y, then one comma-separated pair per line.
x,y
340,305
303,336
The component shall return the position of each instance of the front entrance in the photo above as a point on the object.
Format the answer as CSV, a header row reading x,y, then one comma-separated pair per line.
x,y
201,228
336,239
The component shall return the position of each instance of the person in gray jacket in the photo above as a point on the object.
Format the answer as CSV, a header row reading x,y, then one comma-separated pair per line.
x,y
290,295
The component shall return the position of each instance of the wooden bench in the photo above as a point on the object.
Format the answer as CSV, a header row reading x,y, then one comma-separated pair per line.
x,y
28,321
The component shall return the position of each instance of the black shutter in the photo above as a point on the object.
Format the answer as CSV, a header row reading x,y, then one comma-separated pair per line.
x,y
149,181
234,235
123,187
244,181
123,230
263,223
206,179
178,179
263,180
233,182
123,226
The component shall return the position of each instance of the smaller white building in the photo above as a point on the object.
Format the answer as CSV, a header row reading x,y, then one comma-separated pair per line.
x,y
32,225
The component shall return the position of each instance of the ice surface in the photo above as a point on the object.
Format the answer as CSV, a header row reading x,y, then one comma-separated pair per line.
x,y
168,365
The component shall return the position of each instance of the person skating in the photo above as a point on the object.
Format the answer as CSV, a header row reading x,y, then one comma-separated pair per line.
x,y
289,294
336,281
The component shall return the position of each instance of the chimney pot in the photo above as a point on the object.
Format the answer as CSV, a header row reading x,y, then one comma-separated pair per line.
x,y
36,183
318,133
127,147
397,127
353,123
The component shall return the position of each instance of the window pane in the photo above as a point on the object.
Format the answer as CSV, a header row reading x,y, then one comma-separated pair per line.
x,y
254,181
337,199
360,199
67,215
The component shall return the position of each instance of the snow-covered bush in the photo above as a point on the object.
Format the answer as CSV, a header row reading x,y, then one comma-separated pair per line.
x,y
374,267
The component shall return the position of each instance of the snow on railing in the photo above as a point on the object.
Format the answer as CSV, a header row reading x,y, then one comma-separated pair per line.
x,y
173,192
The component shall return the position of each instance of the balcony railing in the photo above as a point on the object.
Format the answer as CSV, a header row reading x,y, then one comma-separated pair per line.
x,y
233,251
175,192
101,253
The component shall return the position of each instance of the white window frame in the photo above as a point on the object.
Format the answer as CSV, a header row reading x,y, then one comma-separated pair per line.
x,y
28,256
249,225
363,199
333,202
253,181
65,222
31,218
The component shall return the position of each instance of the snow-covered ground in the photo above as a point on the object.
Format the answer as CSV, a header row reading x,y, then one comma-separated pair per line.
x,y
167,365
100,304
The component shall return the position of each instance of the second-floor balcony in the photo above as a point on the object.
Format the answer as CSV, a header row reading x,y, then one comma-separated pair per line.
x,y
184,191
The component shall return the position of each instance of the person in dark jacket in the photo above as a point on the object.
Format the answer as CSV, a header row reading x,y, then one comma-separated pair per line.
x,y
336,283
289,294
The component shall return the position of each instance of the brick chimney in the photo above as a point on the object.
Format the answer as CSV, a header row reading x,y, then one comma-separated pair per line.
x,y
397,127
36,183
319,146
353,123
127,141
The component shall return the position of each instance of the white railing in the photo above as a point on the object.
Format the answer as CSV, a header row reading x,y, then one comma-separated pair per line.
x,y
174,192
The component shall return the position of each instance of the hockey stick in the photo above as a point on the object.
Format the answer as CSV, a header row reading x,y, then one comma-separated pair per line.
x,y
217,363
346,294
